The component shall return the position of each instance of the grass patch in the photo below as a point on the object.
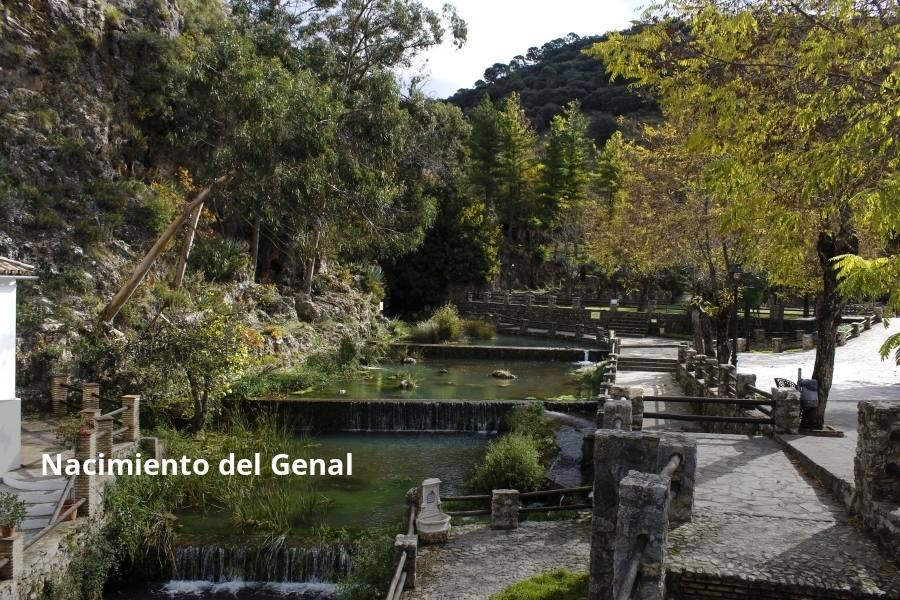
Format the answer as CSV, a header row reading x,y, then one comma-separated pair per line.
x,y
559,584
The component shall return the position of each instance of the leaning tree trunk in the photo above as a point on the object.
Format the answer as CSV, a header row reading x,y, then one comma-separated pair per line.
x,y
829,307
721,324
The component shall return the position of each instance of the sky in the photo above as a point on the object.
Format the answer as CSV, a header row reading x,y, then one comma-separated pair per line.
x,y
501,29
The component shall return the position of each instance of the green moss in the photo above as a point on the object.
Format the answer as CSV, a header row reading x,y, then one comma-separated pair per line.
x,y
558,584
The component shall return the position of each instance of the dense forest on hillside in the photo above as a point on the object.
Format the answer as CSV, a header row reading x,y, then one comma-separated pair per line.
x,y
559,72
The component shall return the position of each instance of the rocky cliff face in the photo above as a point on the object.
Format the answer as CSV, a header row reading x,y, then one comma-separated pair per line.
x,y
82,195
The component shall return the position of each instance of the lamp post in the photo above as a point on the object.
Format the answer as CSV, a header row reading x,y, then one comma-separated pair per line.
x,y
735,272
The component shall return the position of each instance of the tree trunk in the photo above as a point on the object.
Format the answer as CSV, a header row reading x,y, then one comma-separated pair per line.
x,y
707,332
721,324
311,266
186,247
829,307
697,327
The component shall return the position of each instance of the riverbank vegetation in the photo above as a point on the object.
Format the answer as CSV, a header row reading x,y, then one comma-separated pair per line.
x,y
445,325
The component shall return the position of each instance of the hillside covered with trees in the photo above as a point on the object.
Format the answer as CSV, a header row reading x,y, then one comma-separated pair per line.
x,y
551,76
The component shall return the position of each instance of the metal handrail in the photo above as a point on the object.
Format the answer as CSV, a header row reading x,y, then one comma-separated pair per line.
x,y
53,525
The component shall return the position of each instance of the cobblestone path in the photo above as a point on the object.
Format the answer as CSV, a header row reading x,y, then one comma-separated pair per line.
x,y
478,561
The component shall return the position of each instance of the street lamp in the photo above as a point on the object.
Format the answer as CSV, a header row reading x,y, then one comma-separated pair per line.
x,y
735,272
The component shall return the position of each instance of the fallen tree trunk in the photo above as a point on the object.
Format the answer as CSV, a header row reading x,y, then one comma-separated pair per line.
x,y
118,301
186,247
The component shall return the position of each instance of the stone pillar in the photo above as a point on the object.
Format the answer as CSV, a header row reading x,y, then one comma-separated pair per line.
x,y
877,461
578,334
469,296
58,394
808,341
504,509
877,314
576,302
85,486
786,412
131,418
104,436
742,344
487,297
551,329
642,517
759,336
682,352
636,396
408,545
507,299
777,345
616,412
854,330
90,395
867,323
712,373
700,368
726,377
11,548
741,383
841,339
551,301
529,300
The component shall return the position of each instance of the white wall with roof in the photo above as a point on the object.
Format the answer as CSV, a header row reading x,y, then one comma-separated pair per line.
x,y
10,406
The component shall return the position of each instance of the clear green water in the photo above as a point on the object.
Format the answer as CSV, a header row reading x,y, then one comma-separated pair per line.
x,y
385,466
465,379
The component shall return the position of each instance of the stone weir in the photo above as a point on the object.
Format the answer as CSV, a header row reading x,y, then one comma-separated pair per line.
x,y
324,415
283,564
505,352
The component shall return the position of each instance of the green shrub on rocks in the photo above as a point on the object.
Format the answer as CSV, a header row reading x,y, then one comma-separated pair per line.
x,y
511,462
479,330
559,584
443,326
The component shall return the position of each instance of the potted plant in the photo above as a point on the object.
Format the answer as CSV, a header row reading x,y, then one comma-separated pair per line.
x,y
12,513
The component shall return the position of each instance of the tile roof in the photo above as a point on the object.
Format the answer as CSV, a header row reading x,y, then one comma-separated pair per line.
x,y
14,268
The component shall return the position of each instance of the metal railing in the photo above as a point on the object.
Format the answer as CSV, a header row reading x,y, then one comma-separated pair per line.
x,y
115,414
43,532
626,592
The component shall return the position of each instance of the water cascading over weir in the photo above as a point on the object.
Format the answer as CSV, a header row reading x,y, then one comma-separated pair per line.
x,y
283,564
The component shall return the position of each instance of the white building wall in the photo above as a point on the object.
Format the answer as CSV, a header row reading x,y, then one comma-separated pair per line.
x,y
10,406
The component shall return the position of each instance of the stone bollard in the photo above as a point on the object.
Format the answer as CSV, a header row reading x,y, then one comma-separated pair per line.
x,y
643,516
759,336
529,300
58,394
615,414
877,462
808,341
854,330
104,436
507,300
867,323
777,345
504,509
11,548
786,412
635,395
551,301
90,395
841,338
578,334
877,314
742,381
408,545
487,297
682,352
725,377
576,301
85,485
742,344
681,504
131,418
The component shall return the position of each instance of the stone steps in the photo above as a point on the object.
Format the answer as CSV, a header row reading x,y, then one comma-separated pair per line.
x,y
23,480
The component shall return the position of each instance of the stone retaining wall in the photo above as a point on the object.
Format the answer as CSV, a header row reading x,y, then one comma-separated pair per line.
x,y
686,585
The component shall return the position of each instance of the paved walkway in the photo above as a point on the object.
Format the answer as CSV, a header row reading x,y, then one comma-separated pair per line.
x,y
478,562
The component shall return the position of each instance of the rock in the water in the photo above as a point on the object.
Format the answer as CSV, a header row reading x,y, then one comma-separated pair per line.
x,y
443,371
406,384
503,374
409,360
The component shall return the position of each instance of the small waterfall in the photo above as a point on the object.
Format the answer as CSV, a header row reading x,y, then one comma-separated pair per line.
x,y
284,564
408,415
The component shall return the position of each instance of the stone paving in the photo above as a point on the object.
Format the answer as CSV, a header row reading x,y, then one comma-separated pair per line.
x,y
478,562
